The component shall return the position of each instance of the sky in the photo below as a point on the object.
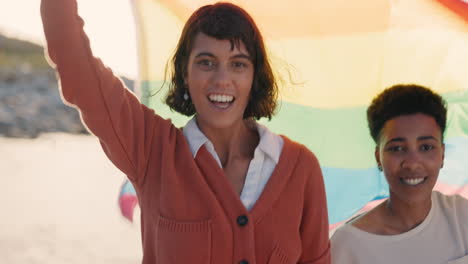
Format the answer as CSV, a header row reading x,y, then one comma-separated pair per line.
x,y
108,23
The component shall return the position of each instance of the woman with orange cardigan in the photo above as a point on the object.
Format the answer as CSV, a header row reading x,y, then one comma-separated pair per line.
x,y
223,189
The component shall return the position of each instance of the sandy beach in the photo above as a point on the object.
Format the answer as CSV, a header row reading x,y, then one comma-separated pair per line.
x,y
59,203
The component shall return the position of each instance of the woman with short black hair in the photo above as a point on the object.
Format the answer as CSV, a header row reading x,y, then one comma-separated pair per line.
x,y
415,224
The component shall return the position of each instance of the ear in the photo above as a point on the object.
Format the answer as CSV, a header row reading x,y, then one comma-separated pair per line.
x,y
443,155
377,157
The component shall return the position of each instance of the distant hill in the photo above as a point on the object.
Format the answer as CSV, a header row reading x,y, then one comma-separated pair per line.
x,y
14,52
30,102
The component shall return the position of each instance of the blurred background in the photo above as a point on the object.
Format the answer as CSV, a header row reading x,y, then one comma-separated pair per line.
x,y
58,189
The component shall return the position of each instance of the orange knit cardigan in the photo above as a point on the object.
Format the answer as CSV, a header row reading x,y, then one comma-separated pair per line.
x,y
189,211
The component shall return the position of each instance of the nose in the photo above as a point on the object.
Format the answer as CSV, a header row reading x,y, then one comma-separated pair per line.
x,y
411,161
222,77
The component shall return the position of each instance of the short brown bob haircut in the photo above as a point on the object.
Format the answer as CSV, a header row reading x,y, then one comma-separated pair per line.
x,y
225,21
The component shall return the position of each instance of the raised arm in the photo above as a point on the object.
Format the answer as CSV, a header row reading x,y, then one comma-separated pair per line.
x,y
109,110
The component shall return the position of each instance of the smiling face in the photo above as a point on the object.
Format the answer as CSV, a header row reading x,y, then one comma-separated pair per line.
x,y
411,153
219,79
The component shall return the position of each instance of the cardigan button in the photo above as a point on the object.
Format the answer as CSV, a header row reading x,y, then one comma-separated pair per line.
x,y
243,262
242,220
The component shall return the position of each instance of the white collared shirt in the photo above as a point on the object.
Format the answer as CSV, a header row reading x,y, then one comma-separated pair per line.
x,y
266,156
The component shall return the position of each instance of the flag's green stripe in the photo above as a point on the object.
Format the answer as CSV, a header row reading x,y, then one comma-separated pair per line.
x,y
457,120
338,137
152,95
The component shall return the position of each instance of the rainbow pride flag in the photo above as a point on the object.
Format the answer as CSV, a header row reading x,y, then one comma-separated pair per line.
x,y
340,54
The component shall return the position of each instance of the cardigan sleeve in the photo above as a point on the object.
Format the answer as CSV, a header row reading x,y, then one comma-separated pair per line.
x,y
109,110
314,226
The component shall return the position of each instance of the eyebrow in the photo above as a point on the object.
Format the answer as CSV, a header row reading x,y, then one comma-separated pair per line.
x,y
237,56
401,139
398,139
241,56
427,137
204,54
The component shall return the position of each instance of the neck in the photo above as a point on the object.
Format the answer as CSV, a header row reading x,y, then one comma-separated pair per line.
x,y
236,141
405,215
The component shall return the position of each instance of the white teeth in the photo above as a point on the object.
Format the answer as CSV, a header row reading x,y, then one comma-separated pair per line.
x,y
221,98
413,181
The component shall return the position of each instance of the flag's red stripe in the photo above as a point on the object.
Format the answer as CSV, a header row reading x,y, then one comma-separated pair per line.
x,y
457,6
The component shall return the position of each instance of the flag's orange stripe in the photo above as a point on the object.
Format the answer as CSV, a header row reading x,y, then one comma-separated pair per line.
x,y
305,17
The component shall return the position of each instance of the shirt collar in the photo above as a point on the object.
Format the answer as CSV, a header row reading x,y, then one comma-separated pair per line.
x,y
194,136
270,143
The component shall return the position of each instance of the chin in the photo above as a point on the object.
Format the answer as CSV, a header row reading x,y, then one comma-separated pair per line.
x,y
222,123
414,196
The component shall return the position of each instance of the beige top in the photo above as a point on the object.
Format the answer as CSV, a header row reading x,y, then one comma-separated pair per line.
x,y
441,238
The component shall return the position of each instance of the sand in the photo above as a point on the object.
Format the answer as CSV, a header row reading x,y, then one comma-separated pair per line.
x,y
59,203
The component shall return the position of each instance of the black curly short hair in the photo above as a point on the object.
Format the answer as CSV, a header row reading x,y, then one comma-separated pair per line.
x,y
225,21
405,99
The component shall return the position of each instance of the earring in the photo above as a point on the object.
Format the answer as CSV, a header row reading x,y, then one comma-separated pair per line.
x,y
379,167
186,96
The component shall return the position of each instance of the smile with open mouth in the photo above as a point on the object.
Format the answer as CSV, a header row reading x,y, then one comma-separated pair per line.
x,y
222,101
413,181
